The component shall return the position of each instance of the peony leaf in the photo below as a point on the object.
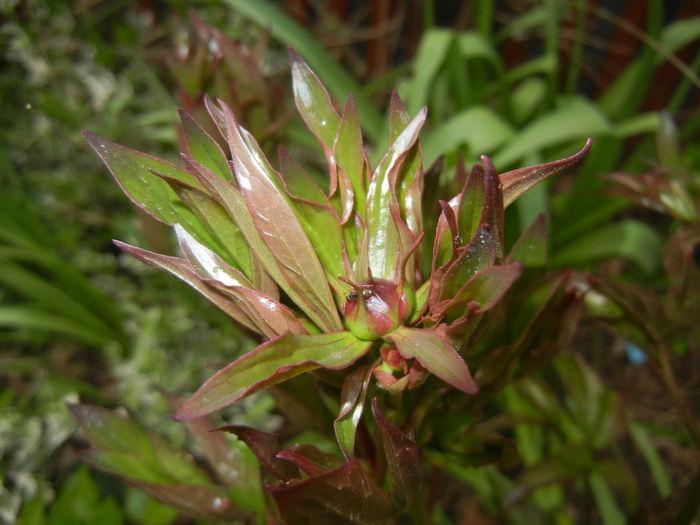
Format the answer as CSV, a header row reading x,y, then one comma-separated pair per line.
x,y
316,215
302,275
265,446
346,495
517,182
384,235
204,149
352,400
313,102
122,446
350,156
132,171
310,459
183,270
271,363
270,317
222,227
402,458
485,288
435,354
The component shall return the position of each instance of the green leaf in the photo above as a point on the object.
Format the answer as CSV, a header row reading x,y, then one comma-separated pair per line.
x,y
575,118
318,218
629,239
349,153
232,201
605,500
271,363
132,170
480,128
383,228
277,225
183,270
430,55
352,400
218,222
202,148
643,441
485,288
313,102
270,317
531,247
435,354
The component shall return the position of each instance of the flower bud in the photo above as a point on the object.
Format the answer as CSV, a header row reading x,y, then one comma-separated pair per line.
x,y
375,307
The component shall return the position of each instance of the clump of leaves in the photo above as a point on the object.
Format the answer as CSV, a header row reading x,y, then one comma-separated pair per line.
x,y
331,281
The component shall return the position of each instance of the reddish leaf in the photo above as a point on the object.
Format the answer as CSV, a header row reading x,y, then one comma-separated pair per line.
x,y
202,148
436,355
517,182
265,446
132,171
303,277
346,495
271,363
310,459
402,458
183,270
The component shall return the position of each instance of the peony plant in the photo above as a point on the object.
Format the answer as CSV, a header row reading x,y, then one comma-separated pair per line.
x,y
331,277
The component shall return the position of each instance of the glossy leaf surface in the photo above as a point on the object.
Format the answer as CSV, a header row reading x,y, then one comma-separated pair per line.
x,y
436,355
352,400
271,363
346,495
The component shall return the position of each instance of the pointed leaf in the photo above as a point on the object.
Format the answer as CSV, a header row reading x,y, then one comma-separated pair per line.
x,y
202,148
318,218
131,169
346,495
485,288
217,221
350,156
271,363
313,102
352,400
183,270
303,276
265,446
270,317
383,233
310,459
435,354
233,202
517,182
402,458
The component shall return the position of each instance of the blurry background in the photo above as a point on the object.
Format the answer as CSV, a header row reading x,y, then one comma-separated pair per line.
x,y
523,81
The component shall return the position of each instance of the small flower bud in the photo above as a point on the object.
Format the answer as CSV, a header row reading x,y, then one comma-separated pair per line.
x,y
375,307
